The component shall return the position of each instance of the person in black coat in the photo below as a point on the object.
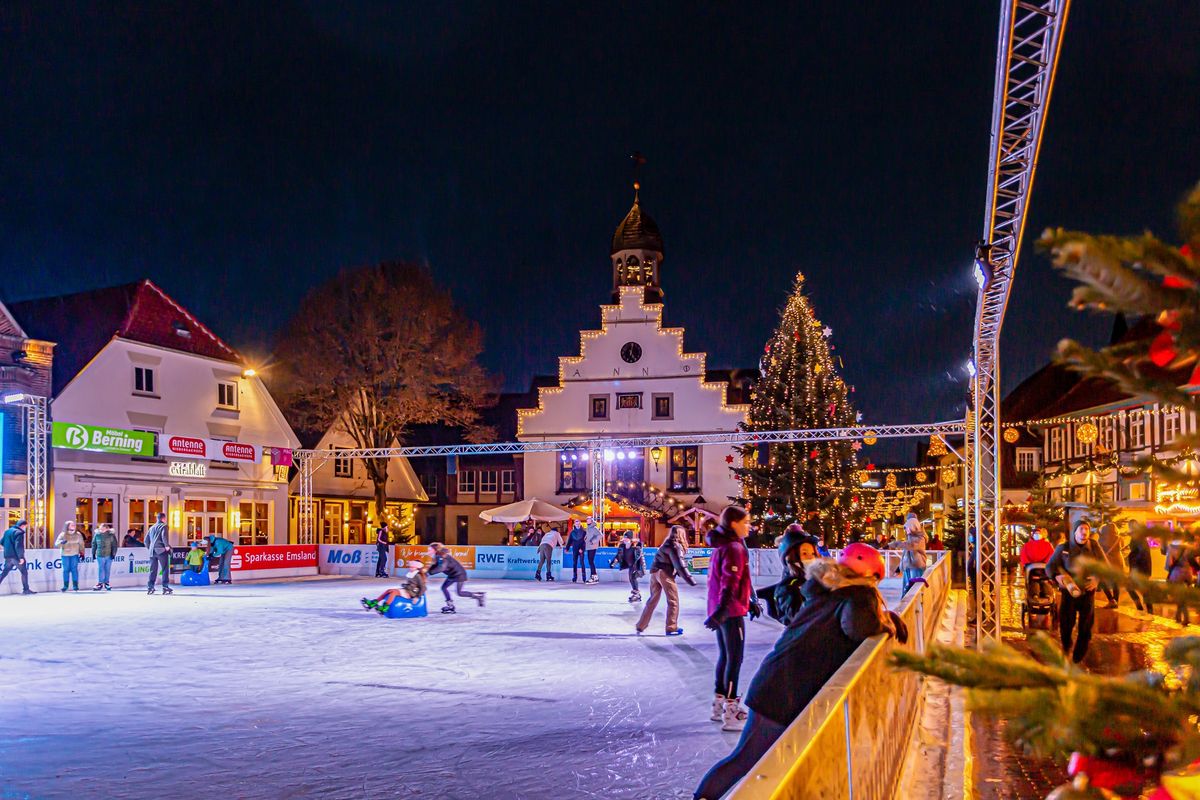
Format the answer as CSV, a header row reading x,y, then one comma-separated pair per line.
x,y
456,576
1078,599
796,550
1139,564
577,546
842,608
383,544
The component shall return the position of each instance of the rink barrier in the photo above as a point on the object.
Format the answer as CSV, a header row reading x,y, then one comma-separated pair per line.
x,y
131,567
851,740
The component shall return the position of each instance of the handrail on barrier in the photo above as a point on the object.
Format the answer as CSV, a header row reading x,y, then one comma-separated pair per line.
x,y
850,741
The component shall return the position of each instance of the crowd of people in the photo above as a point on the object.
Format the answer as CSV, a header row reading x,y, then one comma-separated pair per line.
x,y
76,541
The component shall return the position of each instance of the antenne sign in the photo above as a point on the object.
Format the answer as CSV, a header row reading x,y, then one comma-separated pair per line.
x,y
170,444
96,439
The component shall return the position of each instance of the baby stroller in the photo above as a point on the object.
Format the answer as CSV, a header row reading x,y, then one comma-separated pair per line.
x,y
1040,609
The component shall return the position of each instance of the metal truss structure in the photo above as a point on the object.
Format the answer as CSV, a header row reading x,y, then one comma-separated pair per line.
x,y
37,456
1027,55
306,460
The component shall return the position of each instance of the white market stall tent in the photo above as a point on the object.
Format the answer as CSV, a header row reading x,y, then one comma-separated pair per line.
x,y
532,508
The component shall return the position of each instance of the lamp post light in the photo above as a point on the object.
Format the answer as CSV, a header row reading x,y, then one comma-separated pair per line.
x,y
656,453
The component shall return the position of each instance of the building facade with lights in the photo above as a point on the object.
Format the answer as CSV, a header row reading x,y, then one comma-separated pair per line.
x,y
344,495
25,368
153,412
634,377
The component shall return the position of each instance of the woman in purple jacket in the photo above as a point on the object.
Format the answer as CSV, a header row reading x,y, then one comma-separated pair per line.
x,y
730,599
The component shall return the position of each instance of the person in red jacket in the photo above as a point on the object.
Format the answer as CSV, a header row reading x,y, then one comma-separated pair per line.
x,y
730,599
1037,550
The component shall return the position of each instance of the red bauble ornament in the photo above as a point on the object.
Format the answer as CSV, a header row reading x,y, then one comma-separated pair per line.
x,y
812,454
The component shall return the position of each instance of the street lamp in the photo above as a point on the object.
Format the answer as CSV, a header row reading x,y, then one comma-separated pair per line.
x,y
656,453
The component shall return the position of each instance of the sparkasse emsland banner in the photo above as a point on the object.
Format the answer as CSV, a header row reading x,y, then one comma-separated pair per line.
x,y
95,439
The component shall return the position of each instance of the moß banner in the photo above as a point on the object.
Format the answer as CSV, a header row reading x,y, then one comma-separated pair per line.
x,y
178,446
96,439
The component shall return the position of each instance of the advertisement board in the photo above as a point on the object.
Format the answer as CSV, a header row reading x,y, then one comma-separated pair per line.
x,y
511,562
96,439
347,559
273,556
176,445
130,568
464,553
697,559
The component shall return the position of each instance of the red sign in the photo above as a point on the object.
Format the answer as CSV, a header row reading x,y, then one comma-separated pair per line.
x,y
273,556
186,446
236,451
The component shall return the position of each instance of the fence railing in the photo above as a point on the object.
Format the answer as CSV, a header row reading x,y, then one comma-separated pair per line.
x,y
850,741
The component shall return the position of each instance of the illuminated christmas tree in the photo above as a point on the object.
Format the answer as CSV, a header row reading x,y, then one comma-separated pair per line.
x,y
809,482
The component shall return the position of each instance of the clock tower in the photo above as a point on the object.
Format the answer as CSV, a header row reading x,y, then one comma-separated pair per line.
x,y
637,252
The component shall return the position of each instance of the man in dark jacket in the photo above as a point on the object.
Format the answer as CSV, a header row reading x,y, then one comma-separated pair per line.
x,y
1139,564
842,608
577,546
14,554
1078,599
383,542
157,542
456,576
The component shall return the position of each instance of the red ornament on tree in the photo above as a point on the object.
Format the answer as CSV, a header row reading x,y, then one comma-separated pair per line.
x,y
728,459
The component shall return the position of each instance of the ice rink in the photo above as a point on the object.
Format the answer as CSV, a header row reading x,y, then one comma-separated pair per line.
x,y
289,689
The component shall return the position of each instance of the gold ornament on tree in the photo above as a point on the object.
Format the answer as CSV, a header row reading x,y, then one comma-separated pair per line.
x,y
1011,435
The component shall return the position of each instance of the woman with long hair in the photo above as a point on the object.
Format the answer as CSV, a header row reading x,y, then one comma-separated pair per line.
x,y
670,562
730,599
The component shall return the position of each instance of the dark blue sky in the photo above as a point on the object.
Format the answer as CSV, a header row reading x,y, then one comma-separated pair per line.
x,y
240,153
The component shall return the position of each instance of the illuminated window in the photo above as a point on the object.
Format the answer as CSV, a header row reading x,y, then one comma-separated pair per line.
x,y
1107,437
1137,430
254,523
1055,438
1170,426
572,473
685,469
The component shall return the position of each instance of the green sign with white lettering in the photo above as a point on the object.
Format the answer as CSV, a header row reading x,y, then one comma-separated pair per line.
x,y
74,436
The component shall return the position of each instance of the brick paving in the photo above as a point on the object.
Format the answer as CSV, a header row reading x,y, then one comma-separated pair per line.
x,y
1121,643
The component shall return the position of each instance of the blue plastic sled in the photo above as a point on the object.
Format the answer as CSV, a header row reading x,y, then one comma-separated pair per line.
x,y
190,578
404,609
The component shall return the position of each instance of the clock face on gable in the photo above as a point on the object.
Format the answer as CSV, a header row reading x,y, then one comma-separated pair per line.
x,y
631,352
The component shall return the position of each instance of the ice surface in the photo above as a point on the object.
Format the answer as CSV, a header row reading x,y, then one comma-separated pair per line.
x,y
289,689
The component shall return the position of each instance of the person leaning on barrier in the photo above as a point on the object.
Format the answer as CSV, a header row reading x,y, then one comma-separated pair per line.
x,y
843,607
14,554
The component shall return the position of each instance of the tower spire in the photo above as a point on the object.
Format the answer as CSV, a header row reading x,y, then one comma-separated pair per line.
x,y
637,248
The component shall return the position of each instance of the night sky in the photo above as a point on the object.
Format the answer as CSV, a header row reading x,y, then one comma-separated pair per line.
x,y
240,153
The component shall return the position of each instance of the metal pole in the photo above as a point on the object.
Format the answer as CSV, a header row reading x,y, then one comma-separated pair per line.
x,y
37,431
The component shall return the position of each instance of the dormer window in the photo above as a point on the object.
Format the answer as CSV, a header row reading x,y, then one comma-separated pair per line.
x,y
181,329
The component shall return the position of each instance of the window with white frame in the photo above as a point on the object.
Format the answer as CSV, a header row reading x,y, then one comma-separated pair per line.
x,y
487,481
143,380
227,394
466,482
1027,459
1106,433
1056,444
1170,425
343,467
1136,491
508,481
1137,430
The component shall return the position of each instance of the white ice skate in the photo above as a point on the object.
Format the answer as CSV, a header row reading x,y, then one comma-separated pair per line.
x,y
734,716
718,708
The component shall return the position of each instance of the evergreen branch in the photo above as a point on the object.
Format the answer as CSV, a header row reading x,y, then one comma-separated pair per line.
x,y
1089,363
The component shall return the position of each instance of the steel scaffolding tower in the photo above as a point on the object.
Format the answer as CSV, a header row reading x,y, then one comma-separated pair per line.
x,y
37,455
1027,54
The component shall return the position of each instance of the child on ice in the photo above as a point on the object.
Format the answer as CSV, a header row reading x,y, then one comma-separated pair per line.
x,y
195,557
411,588
455,576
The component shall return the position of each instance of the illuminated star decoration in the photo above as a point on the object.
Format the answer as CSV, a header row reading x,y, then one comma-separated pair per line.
x,y
858,416
827,331
728,459
856,445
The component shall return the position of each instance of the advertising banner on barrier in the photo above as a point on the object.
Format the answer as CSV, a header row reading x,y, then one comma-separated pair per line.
x,y
697,558
273,556
347,559
45,571
511,562
465,553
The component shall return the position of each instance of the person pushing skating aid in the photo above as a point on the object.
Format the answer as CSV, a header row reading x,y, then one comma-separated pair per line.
x,y
447,564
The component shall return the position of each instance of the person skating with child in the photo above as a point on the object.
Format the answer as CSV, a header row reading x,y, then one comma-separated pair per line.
x,y
412,587
630,557
456,576
842,608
